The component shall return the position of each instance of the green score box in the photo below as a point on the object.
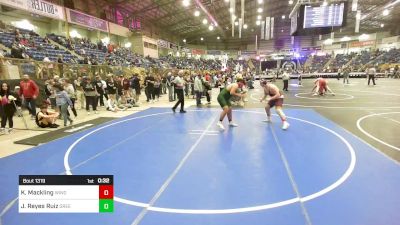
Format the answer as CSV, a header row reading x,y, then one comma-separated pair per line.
x,y
106,205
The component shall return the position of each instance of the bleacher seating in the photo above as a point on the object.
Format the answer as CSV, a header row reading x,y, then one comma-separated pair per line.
x,y
126,57
319,62
340,60
40,48
391,56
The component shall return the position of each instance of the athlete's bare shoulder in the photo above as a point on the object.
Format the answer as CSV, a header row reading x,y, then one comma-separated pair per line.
x,y
230,86
273,86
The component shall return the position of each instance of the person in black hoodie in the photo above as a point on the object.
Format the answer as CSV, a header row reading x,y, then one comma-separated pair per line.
x,y
149,82
7,108
100,85
135,84
89,88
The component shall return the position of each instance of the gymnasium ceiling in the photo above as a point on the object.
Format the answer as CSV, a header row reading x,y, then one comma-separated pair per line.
x,y
172,16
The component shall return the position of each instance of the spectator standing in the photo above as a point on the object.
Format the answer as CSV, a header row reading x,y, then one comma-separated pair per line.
x,y
69,88
135,84
63,101
89,89
149,82
170,87
60,65
118,84
7,108
29,91
346,75
208,90
126,85
80,96
157,87
198,88
179,84
164,85
111,92
100,87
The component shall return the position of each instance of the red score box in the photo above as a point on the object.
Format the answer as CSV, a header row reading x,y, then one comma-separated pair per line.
x,y
106,192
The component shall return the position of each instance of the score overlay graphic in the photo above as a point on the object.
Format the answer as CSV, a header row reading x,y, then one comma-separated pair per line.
x,y
66,193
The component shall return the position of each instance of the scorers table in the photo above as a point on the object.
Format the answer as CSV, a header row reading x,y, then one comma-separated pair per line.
x,y
66,194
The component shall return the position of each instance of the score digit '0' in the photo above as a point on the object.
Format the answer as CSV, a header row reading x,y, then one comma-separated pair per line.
x,y
103,180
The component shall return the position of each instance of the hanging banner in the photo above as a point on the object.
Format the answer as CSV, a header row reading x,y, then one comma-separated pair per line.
x,y
390,40
85,20
262,30
198,52
272,27
361,43
248,52
214,52
267,28
354,5
358,19
186,50
240,27
173,46
162,44
39,7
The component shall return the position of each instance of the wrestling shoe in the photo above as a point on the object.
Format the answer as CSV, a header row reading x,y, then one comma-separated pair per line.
x,y
267,120
232,124
285,125
220,125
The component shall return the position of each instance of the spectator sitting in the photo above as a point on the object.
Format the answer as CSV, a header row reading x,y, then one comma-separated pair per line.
x,y
45,118
17,34
16,52
46,40
24,42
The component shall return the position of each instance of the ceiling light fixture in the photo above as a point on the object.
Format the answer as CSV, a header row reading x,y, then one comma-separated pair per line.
x,y
186,3
345,38
259,10
385,12
205,21
197,13
245,26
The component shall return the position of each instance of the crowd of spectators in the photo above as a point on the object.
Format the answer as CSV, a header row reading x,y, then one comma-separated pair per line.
x,y
64,97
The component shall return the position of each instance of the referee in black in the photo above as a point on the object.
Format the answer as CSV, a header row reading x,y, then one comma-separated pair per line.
x,y
179,84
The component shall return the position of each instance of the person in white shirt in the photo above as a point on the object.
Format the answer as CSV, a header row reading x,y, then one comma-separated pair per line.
x,y
285,78
48,65
179,85
198,88
69,88
371,72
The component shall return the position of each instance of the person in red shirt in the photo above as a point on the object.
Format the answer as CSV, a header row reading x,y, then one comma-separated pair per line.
x,y
29,91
